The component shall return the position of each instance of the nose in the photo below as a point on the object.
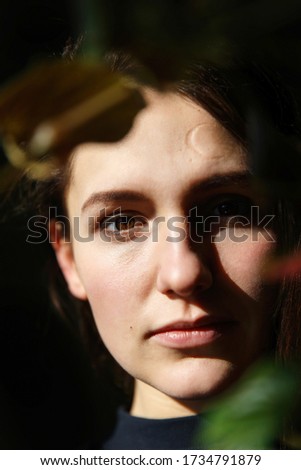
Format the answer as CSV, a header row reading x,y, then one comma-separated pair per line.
x,y
182,270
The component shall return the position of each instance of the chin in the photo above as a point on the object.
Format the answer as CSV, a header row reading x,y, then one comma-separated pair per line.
x,y
201,383
199,392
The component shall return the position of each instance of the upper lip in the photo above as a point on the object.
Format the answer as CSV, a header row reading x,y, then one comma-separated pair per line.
x,y
200,322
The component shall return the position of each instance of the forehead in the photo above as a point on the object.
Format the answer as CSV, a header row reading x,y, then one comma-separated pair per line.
x,y
172,139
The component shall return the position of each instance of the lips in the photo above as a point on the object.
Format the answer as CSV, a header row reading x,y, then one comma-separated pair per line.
x,y
189,334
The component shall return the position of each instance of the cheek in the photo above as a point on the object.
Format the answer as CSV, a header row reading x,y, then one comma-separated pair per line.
x,y
249,295
117,282
106,282
243,263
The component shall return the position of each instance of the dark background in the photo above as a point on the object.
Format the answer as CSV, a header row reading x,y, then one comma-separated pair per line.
x,y
48,394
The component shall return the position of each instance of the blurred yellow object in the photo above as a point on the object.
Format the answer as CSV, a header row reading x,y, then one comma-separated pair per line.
x,y
55,106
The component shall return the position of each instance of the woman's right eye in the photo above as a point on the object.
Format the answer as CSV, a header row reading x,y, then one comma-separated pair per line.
x,y
123,225
119,223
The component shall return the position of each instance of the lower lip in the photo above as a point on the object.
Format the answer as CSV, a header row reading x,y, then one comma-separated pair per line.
x,y
192,338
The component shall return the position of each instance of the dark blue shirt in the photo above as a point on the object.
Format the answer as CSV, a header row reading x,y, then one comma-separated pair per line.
x,y
136,433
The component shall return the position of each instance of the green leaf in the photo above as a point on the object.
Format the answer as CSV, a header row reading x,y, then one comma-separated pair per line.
x,y
251,415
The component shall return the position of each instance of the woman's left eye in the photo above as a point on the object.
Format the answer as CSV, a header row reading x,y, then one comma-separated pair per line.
x,y
233,207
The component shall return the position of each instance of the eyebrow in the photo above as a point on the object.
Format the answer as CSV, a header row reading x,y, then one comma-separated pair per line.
x,y
213,182
237,178
107,197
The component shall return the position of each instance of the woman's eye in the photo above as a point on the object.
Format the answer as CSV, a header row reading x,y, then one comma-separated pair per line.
x,y
123,225
120,223
224,212
236,207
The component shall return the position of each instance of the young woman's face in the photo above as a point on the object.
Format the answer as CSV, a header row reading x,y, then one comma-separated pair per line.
x,y
164,249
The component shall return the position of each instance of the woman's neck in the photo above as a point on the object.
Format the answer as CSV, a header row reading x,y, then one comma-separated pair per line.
x,y
149,402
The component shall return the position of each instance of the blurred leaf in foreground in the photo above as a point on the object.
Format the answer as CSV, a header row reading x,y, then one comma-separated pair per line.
x,y
58,105
283,266
251,416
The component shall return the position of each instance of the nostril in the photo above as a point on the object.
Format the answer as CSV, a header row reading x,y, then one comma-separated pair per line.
x,y
183,283
182,270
